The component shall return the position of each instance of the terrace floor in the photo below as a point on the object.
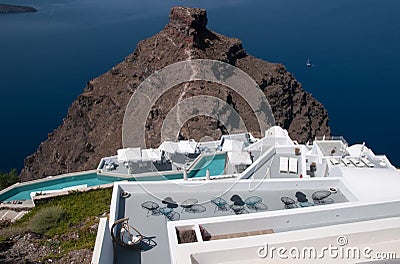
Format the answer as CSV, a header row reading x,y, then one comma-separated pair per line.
x,y
11,215
149,209
14,211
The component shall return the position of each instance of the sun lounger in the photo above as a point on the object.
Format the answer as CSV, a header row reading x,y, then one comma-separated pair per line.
x,y
283,164
357,162
347,163
367,162
293,165
334,162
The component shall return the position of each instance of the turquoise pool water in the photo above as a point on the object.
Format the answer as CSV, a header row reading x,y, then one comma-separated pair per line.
x,y
216,165
91,179
23,192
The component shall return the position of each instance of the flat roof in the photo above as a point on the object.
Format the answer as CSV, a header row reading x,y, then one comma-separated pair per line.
x,y
150,205
354,242
372,184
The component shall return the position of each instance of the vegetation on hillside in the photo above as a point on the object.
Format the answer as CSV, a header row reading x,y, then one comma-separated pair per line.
x,y
8,178
63,223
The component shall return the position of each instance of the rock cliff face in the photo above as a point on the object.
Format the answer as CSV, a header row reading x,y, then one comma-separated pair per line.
x,y
92,127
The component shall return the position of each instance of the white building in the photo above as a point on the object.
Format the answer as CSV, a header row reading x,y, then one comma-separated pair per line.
x,y
291,203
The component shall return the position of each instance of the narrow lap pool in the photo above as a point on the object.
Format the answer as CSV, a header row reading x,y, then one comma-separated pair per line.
x,y
216,165
57,183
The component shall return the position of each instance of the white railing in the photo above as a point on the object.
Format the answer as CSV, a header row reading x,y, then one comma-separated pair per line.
x,y
328,138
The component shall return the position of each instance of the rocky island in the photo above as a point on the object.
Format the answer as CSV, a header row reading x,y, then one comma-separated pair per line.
x,y
8,9
92,128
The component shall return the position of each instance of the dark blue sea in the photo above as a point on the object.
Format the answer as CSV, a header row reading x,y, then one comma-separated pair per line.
x,y
47,57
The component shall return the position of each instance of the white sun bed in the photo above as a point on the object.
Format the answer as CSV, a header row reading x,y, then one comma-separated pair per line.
x,y
283,164
334,161
293,165
347,162
357,162
367,162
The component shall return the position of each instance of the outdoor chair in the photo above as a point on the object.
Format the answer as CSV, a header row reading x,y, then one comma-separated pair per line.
x,y
220,204
238,209
288,202
321,197
187,204
151,207
170,214
197,209
125,235
255,203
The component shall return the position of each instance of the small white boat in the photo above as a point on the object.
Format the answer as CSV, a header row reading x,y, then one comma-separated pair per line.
x,y
308,63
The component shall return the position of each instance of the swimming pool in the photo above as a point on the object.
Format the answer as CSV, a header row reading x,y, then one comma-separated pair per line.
x,y
57,183
214,163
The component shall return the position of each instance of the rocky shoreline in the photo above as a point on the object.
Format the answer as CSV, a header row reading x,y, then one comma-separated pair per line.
x,y
9,9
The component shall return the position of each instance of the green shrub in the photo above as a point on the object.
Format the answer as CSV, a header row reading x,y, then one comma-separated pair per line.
x,y
69,219
46,218
8,179
11,231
